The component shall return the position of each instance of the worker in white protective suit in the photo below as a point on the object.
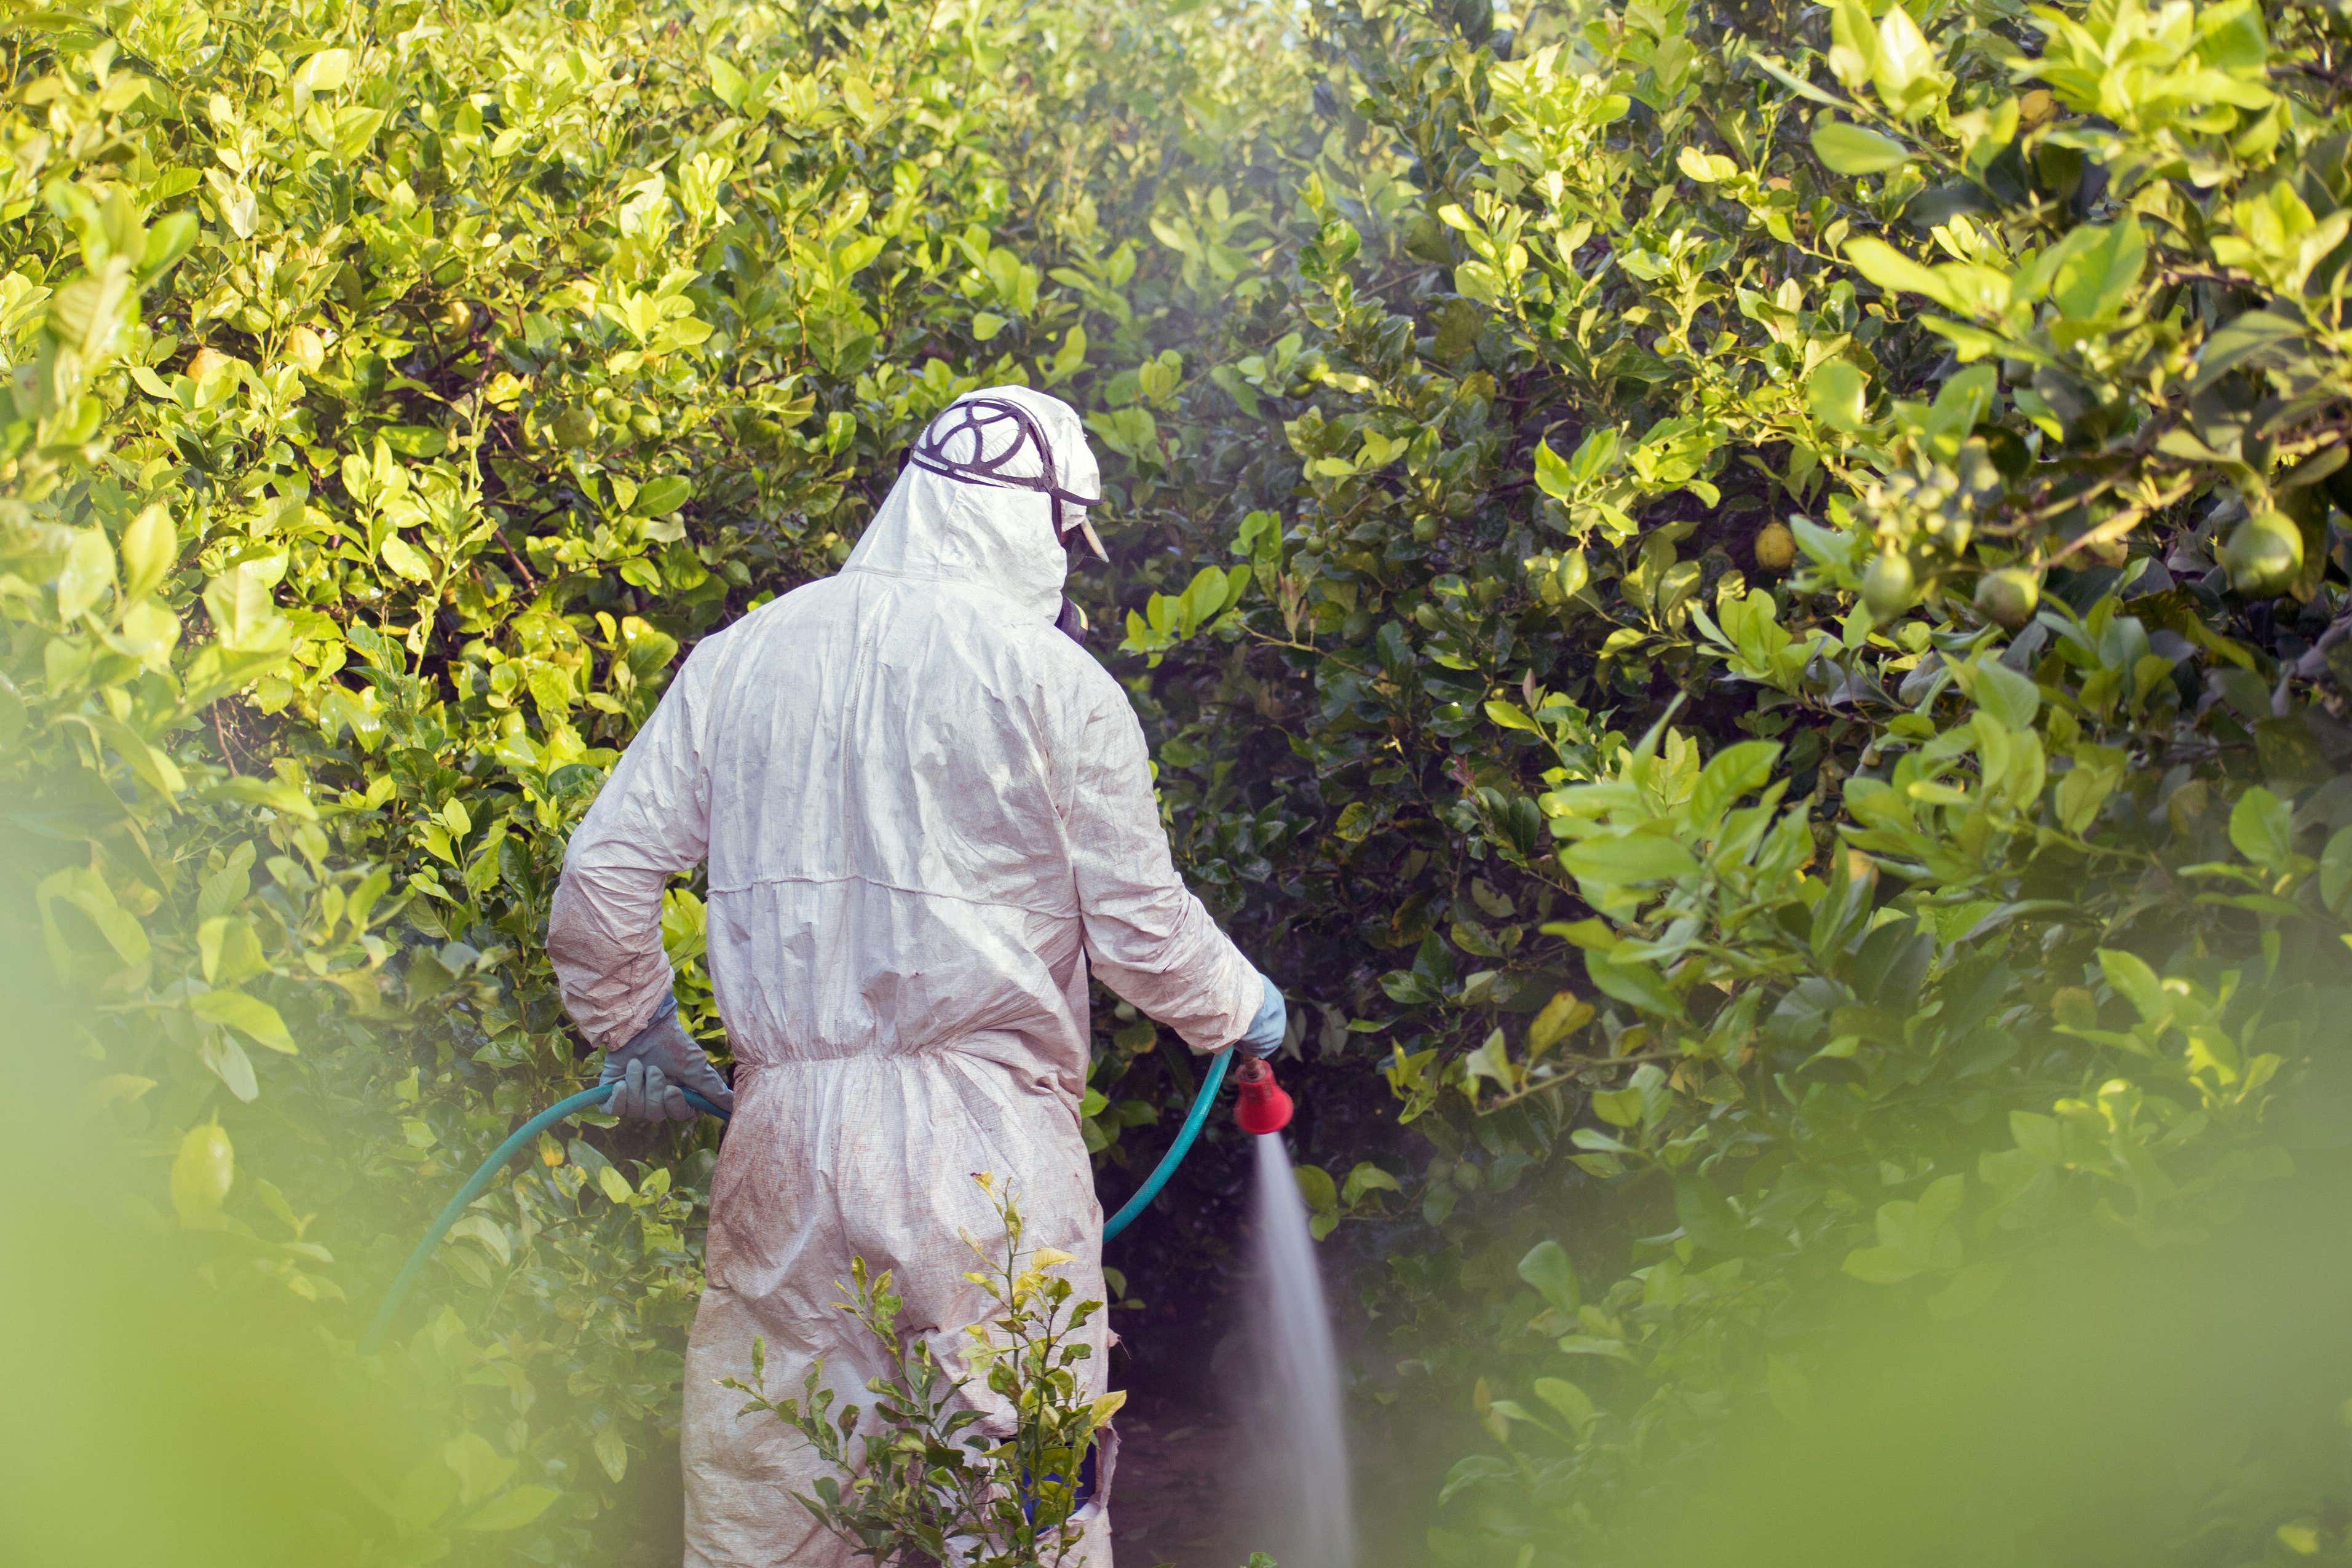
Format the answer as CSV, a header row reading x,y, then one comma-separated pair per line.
x,y
928,815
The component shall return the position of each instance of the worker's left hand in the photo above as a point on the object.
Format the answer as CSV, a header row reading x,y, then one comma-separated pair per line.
x,y
655,1068
1264,1037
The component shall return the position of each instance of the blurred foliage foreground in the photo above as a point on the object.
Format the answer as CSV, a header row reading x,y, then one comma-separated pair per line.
x,y
1747,602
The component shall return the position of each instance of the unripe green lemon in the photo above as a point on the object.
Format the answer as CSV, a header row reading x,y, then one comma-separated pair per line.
x,y
1775,547
1888,585
575,428
2008,597
201,1176
2264,555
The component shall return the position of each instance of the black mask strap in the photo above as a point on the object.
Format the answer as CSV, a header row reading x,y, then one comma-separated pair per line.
x,y
976,417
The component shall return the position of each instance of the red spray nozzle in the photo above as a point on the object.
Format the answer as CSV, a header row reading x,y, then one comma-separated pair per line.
x,y
1264,1106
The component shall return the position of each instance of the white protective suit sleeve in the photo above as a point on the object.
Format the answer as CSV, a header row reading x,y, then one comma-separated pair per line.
x,y
1147,936
650,823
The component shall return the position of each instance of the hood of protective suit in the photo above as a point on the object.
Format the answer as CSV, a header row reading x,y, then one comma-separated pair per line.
x,y
944,529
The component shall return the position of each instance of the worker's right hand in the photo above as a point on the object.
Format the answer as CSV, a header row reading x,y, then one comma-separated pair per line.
x,y
655,1068
1264,1037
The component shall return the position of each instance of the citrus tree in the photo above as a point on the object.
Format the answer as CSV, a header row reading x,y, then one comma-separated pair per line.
x,y
1804,585
395,390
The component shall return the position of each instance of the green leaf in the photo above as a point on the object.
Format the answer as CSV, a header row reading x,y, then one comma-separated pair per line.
x,y
1880,1265
1906,62
1891,269
1593,1344
1562,1015
2263,829
480,1469
325,71
509,1511
1594,455
732,88
226,1061
1618,1106
488,1232
1315,1184
243,610
2097,270
406,559
2135,983
2256,339
1853,43
1573,1405
1366,1178
150,547
249,1016
2001,691
1628,858
1738,770
660,497
1838,396
420,441
1509,716
1706,168
1633,982
1706,1215
2336,869
1547,1268
1551,473
1846,149
88,575
167,241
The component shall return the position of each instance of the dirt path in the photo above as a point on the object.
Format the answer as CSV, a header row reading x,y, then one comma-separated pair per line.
x,y
1174,1497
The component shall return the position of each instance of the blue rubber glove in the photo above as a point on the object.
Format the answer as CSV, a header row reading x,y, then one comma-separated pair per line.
x,y
657,1067
1264,1037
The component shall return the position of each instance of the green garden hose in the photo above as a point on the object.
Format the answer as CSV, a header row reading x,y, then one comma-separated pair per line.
x,y
563,1110
1176,1151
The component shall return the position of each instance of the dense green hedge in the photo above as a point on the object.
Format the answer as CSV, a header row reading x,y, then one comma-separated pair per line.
x,y
1743,600
1806,615
398,388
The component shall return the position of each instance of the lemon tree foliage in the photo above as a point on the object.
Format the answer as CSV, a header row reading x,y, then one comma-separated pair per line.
x,y
395,390
1806,618
1747,603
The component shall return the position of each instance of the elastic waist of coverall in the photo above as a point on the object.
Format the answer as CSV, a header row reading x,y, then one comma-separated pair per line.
x,y
1017,1067
997,1047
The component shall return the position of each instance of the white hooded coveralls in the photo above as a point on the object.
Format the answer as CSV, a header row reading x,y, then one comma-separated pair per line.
x,y
926,814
